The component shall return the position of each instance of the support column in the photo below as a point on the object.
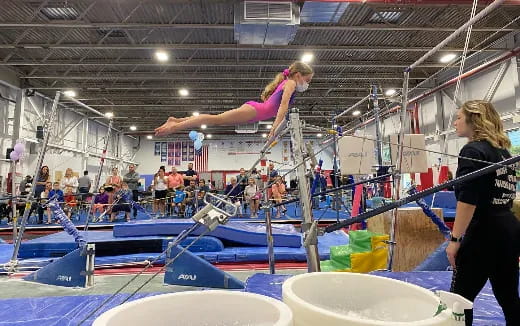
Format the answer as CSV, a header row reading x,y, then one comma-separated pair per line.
x,y
19,115
84,144
309,227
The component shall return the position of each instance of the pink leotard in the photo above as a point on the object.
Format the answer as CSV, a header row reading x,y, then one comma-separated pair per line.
x,y
269,108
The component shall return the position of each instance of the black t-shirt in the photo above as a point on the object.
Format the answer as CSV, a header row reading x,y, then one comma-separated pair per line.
x,y
189,173
493,192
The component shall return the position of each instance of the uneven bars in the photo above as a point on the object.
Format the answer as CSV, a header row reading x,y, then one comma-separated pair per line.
x,y
461,29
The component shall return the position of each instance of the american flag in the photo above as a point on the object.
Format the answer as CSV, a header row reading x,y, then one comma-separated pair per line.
x,y
201,160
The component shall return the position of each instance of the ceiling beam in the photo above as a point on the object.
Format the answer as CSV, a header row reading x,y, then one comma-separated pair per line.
x,y
220,63
232,46
198,77
125,26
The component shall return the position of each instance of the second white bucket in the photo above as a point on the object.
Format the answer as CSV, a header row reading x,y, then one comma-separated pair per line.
x,y
340,299
200,308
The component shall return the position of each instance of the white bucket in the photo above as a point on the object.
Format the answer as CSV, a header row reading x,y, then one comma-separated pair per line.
x,y
339,299
200,308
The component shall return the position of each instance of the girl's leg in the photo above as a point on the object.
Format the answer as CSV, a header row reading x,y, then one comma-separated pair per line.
x,y
242,114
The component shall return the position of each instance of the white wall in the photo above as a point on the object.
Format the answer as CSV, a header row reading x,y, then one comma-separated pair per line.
x,y
219,157
69,145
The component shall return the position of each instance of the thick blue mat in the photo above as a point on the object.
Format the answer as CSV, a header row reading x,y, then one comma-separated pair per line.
x,y
486,309
252,234
61,242
58,244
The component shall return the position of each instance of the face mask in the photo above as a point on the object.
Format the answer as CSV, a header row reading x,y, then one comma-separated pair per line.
x,y
302,87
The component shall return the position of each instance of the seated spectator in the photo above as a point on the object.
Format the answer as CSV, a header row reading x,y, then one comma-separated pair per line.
x,y
120,202
234,193
70,202
100,202
190,194
252,196
202,190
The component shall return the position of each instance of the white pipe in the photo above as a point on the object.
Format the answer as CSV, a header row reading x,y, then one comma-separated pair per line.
x,y
461,29
352,107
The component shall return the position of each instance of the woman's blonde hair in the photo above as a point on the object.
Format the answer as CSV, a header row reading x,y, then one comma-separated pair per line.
x,y
482,117
296,67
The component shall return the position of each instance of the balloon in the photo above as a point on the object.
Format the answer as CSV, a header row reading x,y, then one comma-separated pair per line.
x,y
193,135
197,145
19,148
200,136
14,156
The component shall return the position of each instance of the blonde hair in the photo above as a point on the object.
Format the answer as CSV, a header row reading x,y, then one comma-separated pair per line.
x,y
482,117
296,67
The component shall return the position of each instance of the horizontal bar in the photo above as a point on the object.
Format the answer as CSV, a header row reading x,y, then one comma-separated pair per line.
x,y
352,107
429,191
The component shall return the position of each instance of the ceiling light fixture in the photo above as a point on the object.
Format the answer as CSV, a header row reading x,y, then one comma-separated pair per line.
x,y
133,128
448,57
319,135
149,137
109,115
208,136
356,113
184,92
203,127
195,114
162,56
264,135
70,93
307,57
390,92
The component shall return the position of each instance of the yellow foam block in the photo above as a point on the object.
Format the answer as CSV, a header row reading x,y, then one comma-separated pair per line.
x,y
365,262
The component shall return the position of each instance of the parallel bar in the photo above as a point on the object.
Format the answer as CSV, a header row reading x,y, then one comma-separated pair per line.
x,y
467,177
461,29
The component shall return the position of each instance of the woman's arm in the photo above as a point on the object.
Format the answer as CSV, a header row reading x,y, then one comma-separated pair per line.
x,y
288,90
463,216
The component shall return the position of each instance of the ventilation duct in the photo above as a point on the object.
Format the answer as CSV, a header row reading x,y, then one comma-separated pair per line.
x,y
322,12
247,128
266,22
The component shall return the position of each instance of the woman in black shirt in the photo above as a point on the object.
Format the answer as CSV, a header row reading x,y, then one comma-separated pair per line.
x,y
486,235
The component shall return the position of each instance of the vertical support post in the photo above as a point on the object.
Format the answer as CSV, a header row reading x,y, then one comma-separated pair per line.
x,y
13,200
309,229
19,113
100,171
397,175
269,230
90,251
379,144
30,197
84,144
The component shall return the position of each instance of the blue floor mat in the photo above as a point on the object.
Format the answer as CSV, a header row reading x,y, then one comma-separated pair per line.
x,y
56,311
251,234
486,309
325,213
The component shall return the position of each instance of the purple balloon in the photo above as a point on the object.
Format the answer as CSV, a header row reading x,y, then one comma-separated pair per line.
x,y
14,156
19,148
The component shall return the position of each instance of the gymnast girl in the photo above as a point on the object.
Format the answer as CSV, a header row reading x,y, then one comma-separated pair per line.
x,y
276,97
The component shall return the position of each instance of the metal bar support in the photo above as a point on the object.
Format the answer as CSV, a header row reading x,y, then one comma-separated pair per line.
x,y
309,229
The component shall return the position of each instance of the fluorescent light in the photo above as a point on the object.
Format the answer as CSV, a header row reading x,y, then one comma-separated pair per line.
x,y
184,92
133,128
195,114
162,56
448,57
203,127
70,93
319,135
307,57
208,136
356,113
149,137
269,126
390,92
264,135
109,115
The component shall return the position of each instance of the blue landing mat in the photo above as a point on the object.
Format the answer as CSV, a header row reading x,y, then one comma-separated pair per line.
x,y
58,244
252,234
50,244
487,312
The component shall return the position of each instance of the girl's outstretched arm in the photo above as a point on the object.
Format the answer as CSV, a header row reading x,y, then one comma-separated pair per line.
x,y
288,90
